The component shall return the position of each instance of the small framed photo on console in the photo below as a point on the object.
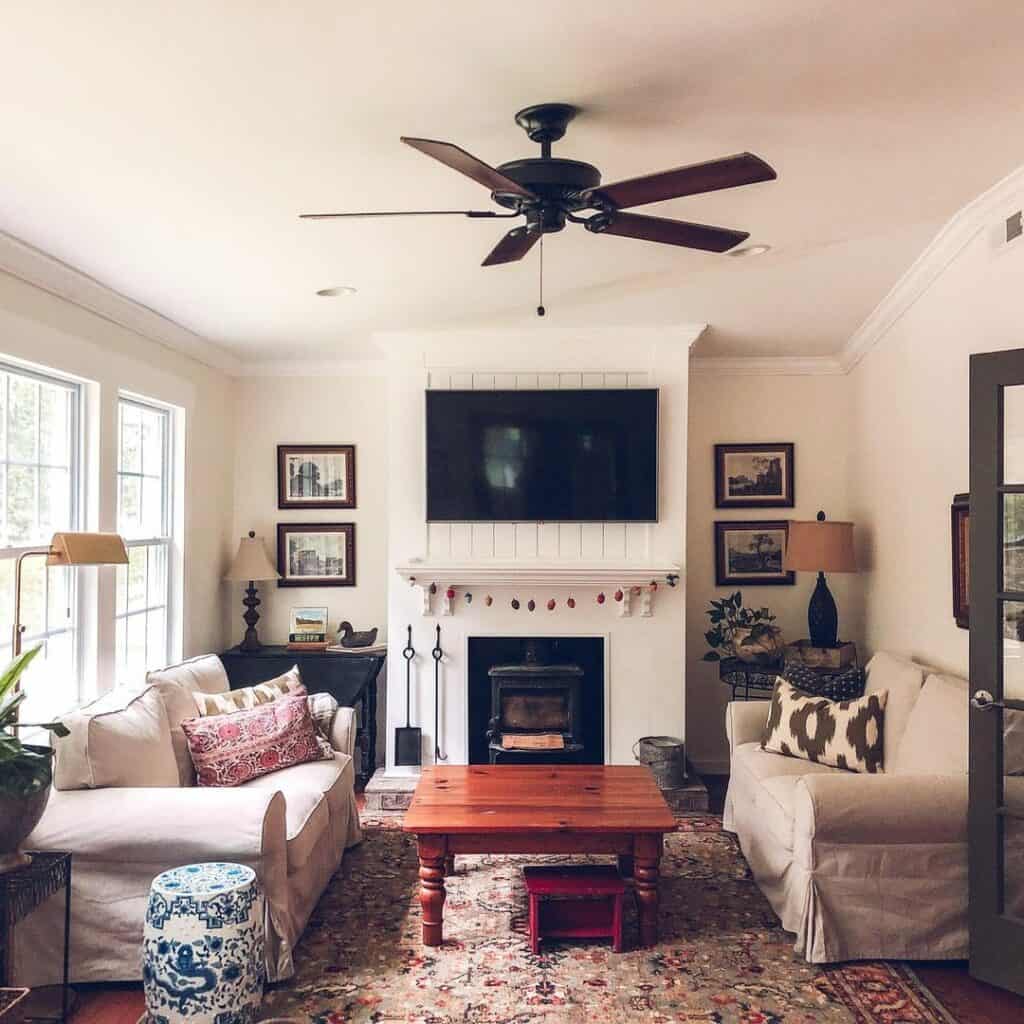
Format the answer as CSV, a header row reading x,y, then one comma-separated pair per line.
x,y
316,476
750,554
754,475
316,554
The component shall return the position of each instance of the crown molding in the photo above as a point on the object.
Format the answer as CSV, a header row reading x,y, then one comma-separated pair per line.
x,y
37,268
978,215
766,366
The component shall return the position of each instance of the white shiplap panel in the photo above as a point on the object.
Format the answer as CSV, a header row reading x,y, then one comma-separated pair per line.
x,y
570,380
439,540
638,380
547,540
439,380
462,381
462,542
483,381
593,380
526,540
614,540
483,540
615,380
504,381
592,541
547,380
637,536
569,540
505,541
526,381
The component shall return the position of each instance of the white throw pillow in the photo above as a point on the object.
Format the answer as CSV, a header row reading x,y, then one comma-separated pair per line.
x,y
902,680
935,740
122,739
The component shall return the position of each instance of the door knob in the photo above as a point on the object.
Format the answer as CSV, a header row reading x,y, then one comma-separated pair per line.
x,y
983,701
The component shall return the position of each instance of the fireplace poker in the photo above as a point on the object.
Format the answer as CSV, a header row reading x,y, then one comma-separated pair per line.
x,y
437,654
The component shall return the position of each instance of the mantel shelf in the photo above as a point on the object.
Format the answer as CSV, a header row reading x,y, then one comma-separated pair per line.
x,y
632,578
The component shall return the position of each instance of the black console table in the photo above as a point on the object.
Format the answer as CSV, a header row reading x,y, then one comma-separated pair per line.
x,y
350,678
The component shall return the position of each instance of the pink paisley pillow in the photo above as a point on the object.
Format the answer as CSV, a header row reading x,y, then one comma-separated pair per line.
x,y
228,750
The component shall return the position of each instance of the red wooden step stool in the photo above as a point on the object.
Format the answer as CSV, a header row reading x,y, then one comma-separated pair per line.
x,y
579,901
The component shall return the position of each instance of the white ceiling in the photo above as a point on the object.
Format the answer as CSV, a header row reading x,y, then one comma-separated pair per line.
x,y
167,149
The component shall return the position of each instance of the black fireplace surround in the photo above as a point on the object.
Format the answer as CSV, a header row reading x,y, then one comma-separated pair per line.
x,y
538,685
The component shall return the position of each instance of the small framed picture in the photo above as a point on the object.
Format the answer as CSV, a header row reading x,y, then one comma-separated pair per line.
x,y
960,522
754,475
316,476
308,625
316,554
750,554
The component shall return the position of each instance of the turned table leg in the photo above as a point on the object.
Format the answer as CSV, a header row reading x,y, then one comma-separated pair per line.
x,y
432,870
626,865
449,864
647,859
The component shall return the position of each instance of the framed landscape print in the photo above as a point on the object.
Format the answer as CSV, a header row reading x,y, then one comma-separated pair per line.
x,y
316,476
754,475
750,553
316,554
960,517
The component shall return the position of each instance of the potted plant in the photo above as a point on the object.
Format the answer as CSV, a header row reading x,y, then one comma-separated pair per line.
x,y
746,633
26,770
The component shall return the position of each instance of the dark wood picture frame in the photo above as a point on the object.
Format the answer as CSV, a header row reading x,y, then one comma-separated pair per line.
x,y
786,498
285,500
723,578
349,532
960,533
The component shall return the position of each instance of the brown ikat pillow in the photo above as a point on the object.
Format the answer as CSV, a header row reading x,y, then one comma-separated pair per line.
x,y
844,734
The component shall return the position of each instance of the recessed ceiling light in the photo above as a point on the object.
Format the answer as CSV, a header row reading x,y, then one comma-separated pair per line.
x,y
749,250
341,289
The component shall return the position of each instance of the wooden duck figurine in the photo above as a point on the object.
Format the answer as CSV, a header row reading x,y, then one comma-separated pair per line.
x,y
348,637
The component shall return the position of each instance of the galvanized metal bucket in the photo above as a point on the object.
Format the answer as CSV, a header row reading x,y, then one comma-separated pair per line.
x,y
666,757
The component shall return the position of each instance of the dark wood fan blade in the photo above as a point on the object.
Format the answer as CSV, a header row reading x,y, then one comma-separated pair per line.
x,y
728,172
406,213
514,246
674,232
465,163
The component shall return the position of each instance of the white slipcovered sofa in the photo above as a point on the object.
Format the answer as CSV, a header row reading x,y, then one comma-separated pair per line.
x,y
863,866
135,811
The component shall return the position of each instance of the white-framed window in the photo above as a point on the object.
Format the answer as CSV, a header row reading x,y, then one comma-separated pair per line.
x,y
145,502
40,494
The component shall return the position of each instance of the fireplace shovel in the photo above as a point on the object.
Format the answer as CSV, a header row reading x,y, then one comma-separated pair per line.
x,y
437,654
408,740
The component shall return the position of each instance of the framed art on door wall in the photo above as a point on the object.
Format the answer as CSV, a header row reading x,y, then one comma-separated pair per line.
x,y
316,476
754,475
316,554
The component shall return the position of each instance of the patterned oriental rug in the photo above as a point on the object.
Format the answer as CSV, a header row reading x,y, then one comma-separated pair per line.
x,y
722,958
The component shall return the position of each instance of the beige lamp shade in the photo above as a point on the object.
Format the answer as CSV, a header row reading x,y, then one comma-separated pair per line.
x,y
87,549
251,562
820,546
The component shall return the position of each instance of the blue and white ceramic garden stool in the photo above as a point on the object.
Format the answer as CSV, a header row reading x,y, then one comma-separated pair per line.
x,y
202,954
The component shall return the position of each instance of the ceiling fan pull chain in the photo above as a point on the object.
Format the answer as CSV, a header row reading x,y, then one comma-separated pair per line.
x,y
540,307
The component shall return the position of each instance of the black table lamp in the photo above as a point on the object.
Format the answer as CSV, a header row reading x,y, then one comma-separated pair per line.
x,y
250,565
821,547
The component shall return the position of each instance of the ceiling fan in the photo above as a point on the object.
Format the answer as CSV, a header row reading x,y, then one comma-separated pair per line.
x,y
548,191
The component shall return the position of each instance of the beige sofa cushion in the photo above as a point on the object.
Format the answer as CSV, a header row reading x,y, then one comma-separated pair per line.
x,y
935,740
903,679
121,739
176,684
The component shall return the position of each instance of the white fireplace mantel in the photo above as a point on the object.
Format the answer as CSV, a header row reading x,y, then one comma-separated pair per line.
x,y
624,581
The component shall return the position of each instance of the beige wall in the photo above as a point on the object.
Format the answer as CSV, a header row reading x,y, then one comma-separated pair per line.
x,y
910,414
313,410
812,412
40,328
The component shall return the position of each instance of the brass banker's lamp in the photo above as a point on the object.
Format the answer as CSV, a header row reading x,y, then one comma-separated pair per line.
x,y
68,549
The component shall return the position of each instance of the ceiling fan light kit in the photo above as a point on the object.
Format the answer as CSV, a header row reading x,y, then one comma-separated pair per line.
x,y
550,191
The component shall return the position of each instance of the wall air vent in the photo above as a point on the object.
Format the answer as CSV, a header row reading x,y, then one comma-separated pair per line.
x,y
1014,226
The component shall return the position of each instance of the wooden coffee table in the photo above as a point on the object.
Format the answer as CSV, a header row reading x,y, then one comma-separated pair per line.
x,y
532,809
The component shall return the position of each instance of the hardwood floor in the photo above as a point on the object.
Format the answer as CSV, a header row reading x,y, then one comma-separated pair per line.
x,y
968,1001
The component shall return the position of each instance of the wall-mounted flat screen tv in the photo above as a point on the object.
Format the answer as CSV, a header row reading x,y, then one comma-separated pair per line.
x,y
542,456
